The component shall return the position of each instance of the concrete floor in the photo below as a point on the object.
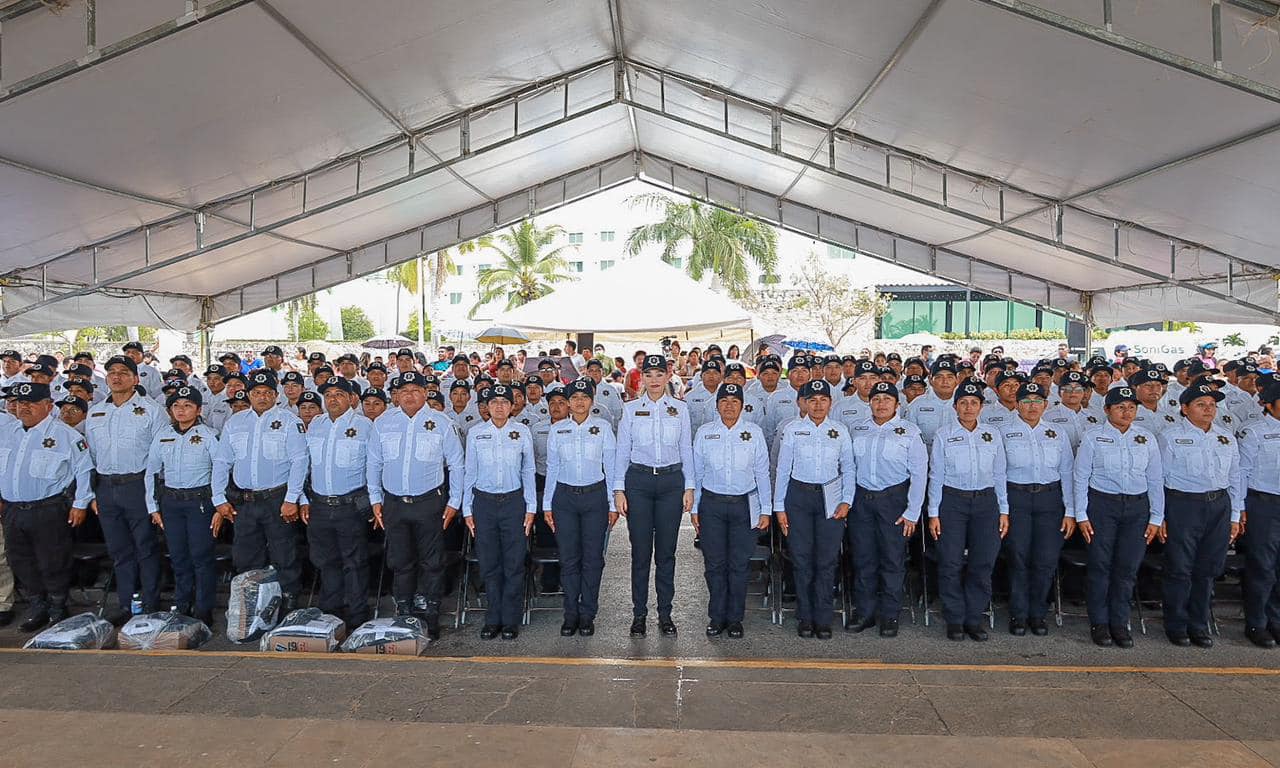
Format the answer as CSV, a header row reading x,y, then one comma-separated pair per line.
x,y
609,700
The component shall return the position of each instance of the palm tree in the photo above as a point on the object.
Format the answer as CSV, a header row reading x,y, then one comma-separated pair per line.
x,y
721,243
436,267
524,272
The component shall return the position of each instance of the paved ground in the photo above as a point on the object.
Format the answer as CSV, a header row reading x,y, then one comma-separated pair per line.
x,y
609,700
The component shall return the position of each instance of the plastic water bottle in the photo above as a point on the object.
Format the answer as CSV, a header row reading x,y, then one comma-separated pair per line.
x,y
135,605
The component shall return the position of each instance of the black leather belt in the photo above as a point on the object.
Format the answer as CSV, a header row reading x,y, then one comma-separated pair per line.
x,y
1269,496
656,470
1056,485
189,494
264,495
437,491
724,498
59,500
121,479
806,486
581,489
337,501
978,494
1119,496
1202,496
867,493
500,497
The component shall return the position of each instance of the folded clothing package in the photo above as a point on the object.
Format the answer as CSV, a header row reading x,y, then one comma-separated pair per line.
x,y
254,604
167,631
402,635
306,630
82,632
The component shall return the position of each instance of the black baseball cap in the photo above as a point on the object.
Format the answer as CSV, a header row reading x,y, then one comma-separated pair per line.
x,y
375,392
583,386
310,397
127,362
1117,395
1197,391
262,378
184,393
885,388
654,363
729,390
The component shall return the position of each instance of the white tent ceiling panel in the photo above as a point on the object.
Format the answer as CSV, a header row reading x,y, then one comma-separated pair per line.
x,y
426,60
35,42
175,312
813,56
1040,259
1171,302
194,116
714,154
1014,99
225,267
40,217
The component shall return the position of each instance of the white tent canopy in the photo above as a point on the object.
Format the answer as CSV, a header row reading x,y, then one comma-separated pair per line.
x,y
1116,162
639,297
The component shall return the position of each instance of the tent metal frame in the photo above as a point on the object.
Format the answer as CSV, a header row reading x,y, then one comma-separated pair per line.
x,y
1014,204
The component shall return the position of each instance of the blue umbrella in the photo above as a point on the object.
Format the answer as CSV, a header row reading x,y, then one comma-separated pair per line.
x,y
809,346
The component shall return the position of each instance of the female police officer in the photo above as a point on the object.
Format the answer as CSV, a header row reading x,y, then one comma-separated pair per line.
x,y
579,508
730,482
968,509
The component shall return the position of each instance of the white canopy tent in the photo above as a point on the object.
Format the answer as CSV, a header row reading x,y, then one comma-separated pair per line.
x,y
638,298
183,162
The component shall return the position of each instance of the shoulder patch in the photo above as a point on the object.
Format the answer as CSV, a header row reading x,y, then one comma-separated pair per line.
x,y
301,428
82,445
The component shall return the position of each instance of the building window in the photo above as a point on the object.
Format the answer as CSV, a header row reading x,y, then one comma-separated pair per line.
x,y
606,236
677,262
770,279
606,264
457,269
575,266
482,268
838,252
455,298
575,238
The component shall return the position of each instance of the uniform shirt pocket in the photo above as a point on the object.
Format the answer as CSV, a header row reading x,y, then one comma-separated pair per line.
x,y
273,447
46,464
349,453
426,446
240,444
670,430
391,446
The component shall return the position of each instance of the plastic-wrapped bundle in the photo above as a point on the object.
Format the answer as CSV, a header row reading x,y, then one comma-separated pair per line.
x,y
254,605
306,630
83,632
402,635
168,631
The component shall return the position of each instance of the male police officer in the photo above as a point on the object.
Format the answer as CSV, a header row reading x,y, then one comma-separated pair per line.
x,y
653,487
408,452
892,469
1203,505
499,503
119,431
1119,489
1260,471
933,409
263,450
148,376
338,510
1039,465
40,458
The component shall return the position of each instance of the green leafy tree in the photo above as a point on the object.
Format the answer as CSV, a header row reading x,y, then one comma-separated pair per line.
x,y
311,326
716,242
526,269
356,325
436,268
1234,340
411,331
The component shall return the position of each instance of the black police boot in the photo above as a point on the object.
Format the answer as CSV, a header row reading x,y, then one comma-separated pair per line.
x,y
666,626
1101,635
404,608
421,607
489,631
955,632
37,615
569,628
1180,639
1274,629
288,604
1122,637
889,628
715,629
587,627
1017,627
6,617
735,630
1039,627
858,623
1260,637
433,626
57,608
1200,638
822,631
637,626
117,616
976,632
804,629
510,632
206,617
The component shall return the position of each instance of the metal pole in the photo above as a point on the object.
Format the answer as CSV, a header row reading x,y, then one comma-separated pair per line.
x,y
422,309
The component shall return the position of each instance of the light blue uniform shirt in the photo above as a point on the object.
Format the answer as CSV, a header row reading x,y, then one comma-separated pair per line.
x,y
408,456
780,408
1196,461
1114,462
891,453
1067,422
967,461
702,405
851,410
44,461
579,455
995,415
260,453
151,380
1260,455
815,453
185,458
339,453
1040,454
1157,421
930,413
733,461
655,433
120,437
753,408
499,460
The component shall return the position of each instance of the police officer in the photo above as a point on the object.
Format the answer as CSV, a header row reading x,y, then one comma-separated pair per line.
x,y
653,488
337,507
607,398
1003,409
1039,464
40,459
701,398
1203,505
577,505
781,407
934,409
263,450
1119,490
499,503
11,368
148,375
183,452
1260,475
120,431
408,453
373,403
892,471
856,408
815,486
968,509
731,483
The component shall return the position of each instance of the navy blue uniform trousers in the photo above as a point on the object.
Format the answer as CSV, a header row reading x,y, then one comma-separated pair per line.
x,y
967,552
655,505
190,540
879,550
814,541
1115,554
1194,555
338,541
131,539
727,543
501,548
582,518
1262,559
1034,543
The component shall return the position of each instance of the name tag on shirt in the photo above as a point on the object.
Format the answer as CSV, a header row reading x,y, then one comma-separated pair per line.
x,y
95,415
642,413
712,436
955,439
1184,441
167,439
484,437
861,428
925,409
559,432
1013,434
1104,440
